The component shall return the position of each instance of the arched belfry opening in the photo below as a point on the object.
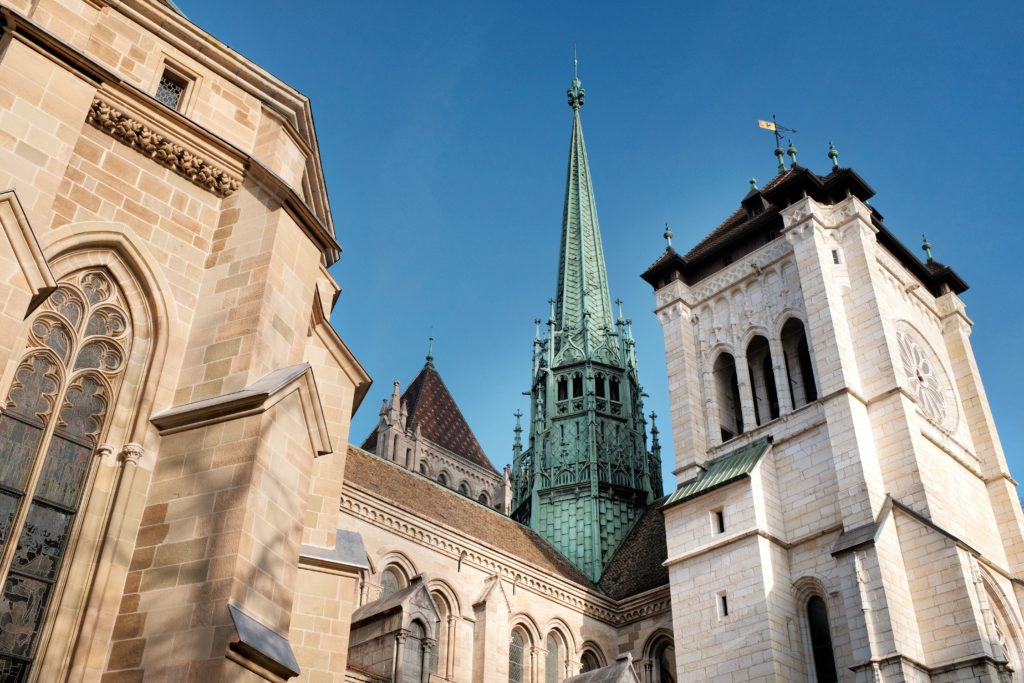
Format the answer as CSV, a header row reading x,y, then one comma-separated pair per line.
x,y
799,369
727,394
762,380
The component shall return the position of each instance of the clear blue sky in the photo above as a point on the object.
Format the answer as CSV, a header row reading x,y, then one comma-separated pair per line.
x,y
444,132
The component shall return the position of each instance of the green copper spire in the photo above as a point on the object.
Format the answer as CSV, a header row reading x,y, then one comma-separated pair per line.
x,y
581,295
585,475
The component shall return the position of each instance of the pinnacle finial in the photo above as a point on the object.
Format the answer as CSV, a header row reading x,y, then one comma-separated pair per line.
x,y
791,151
576,91
753,183
430,352
781,156
667,235
618,302
833,154
927,246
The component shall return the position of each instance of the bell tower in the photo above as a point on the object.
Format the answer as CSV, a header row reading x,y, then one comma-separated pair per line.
x,y
585,475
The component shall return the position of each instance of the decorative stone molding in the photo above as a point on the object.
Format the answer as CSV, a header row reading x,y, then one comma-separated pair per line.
x,y
131,453
161,149
748,267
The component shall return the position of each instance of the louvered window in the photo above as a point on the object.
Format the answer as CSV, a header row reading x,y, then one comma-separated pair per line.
x,y
53,416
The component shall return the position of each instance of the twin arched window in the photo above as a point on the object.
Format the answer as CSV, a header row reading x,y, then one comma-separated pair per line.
x,y
52,420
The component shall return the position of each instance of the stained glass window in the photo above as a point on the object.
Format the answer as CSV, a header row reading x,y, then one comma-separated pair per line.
x,y
552,661
389,583
52,418
516,649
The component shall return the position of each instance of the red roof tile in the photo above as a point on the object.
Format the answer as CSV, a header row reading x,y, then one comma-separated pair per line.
x,y
432,408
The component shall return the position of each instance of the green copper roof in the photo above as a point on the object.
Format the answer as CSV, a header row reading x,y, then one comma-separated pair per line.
x,y
723,470
582,281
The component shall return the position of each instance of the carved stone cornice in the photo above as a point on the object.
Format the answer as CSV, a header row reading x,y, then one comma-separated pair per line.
x,y
161,149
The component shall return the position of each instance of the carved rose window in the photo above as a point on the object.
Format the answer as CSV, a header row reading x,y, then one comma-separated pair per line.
x,y
925,377
50,425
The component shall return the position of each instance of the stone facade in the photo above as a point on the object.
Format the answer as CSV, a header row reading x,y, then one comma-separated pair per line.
x,y
884,493
167,261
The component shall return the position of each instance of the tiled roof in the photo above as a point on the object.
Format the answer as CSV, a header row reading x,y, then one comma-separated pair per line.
x,y
722,470
637,564
432,408
428,500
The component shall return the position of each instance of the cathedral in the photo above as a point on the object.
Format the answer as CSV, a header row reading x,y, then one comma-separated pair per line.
x,y
181,499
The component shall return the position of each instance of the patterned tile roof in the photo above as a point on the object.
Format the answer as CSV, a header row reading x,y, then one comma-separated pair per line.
x,y
428,500
637,565
723,470
432,409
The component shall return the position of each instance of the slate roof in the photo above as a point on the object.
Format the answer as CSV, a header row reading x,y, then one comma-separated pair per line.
x,y
722,470
428,500
758,221
637,565
432,408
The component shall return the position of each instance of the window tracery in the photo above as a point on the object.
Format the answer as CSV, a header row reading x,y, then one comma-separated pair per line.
x,y
52,418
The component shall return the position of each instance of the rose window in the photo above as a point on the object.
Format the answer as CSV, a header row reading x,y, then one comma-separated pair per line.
x,y
926,378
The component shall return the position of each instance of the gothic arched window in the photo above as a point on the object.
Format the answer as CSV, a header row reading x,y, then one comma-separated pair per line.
x,y
516,655
51,423
821,640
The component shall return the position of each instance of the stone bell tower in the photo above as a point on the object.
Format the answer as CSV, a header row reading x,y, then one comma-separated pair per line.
x,y
585,475
842,491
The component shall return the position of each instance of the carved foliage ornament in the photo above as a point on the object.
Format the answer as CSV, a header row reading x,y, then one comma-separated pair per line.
x,y
926,377
161,149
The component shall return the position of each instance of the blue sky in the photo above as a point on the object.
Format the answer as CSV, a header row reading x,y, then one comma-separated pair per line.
x,y
444,133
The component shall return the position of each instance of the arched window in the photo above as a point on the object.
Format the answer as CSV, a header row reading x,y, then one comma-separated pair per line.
x,y
423,468
799,369
599,384
442,479
589,662
391,580
464,488
408,458
517,657
439,661
613,389
483,499
821,640
662,655
762,380
552,660
412,664
730,416
53,419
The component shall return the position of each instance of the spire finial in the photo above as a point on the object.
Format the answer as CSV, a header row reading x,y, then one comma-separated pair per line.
x,y
781,156
618,302
927,246
576,92
833,154
753,183
791,151
430,352
667,235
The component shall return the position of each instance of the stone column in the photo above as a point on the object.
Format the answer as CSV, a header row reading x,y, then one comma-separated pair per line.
x,y
746,393
399,651
449,654
781,379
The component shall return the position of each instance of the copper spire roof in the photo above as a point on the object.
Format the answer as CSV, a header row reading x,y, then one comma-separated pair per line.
x,y
431,408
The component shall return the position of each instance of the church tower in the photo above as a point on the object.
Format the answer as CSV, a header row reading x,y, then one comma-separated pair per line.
x,y
842,492
585,476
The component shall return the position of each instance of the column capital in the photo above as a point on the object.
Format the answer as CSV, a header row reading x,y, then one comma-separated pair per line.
x,y
131,453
